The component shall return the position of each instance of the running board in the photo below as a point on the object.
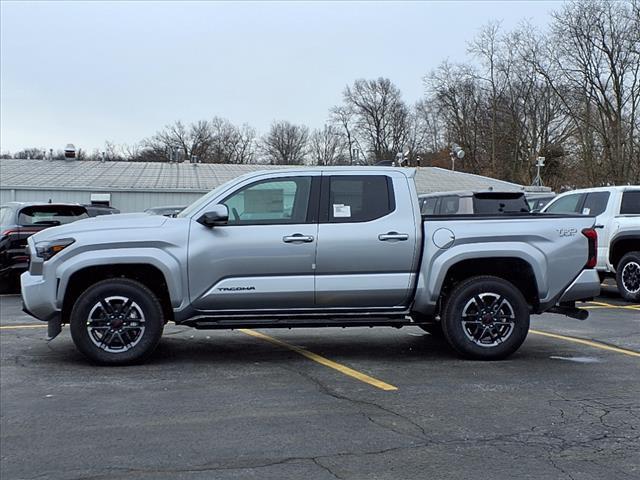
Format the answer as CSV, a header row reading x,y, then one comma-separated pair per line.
x,y
231,323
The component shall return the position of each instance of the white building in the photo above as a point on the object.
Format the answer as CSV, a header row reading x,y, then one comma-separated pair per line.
x,y
135,186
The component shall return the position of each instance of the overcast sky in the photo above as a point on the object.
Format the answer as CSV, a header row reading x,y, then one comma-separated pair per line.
x,y
86,72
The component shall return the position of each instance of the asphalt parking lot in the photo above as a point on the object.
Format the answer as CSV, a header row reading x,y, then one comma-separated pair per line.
x,y
326,403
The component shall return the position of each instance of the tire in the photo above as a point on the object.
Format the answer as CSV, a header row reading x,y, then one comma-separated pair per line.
x,y
117,322
479,336
628,276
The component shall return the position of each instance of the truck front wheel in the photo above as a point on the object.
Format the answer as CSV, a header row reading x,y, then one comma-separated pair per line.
x,y
117,322
628,276
485,318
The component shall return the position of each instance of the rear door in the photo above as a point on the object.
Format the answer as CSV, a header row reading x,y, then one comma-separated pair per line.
x,y
367,241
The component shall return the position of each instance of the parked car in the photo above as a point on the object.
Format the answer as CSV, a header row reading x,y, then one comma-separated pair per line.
x,y
96,210
469,203
167,211
538,200
617,212
18,221
309,248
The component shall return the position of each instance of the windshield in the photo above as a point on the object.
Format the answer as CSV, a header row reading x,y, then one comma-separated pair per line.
x,y
203,200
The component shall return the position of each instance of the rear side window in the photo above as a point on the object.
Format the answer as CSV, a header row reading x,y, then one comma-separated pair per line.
x,y
449,205
51,215
595,203
568,204
630,203
359,198
499,203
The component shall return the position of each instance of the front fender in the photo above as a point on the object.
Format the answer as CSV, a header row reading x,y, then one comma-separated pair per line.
x,y
163,261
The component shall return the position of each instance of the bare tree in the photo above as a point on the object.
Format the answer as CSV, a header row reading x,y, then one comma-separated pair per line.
x,y
231,144
592,63
342,118
285,144
380,116
327,147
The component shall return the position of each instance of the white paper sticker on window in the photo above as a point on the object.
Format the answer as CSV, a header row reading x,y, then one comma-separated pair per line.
x,y
586,211
341,210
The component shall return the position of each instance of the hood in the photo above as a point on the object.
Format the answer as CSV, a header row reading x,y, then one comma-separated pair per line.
x,y
126,221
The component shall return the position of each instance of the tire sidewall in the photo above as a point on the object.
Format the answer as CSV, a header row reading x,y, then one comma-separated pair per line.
x,y
148,303
452,315
627,258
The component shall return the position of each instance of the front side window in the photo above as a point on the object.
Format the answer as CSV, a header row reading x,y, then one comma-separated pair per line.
x,y
360,198
568,204
630,203
273,201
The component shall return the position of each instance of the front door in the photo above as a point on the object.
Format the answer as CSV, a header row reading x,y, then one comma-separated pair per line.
x,y
367,241
263,259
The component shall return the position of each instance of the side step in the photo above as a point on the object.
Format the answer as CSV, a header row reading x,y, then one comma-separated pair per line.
x,y
230,323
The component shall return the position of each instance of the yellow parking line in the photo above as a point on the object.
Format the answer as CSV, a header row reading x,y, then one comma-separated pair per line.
x,y
609,305
15,327
590,343
323,361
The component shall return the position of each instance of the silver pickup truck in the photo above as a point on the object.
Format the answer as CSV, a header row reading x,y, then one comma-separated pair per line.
x,y
308,247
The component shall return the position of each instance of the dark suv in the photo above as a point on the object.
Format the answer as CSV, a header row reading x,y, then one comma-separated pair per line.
x,y
18,221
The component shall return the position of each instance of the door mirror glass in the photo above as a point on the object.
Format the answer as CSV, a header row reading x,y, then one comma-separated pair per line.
x,y
217,216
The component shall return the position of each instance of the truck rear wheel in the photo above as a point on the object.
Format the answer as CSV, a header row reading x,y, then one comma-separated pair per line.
x,y
628,276
485,318
117,322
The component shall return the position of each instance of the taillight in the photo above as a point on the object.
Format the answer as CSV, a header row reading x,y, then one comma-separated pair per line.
x,y
592,237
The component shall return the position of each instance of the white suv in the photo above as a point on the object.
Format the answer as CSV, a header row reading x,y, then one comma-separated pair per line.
x,y
617,212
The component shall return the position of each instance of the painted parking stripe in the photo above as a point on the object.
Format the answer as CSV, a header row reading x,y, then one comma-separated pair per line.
x,y
609,305
350,372
16,327
590,343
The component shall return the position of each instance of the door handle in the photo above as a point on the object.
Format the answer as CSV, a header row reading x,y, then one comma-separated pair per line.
x,y
385,237
297,237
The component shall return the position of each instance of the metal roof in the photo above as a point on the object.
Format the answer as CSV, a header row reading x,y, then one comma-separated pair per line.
x,y
185,177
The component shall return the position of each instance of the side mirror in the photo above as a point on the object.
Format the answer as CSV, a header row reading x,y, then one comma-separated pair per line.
x,y
218,216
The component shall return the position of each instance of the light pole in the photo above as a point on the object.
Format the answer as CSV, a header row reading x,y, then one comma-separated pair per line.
x,y
456,151
537,181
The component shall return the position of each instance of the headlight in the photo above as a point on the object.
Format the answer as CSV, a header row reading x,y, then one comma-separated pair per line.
x,y
46,250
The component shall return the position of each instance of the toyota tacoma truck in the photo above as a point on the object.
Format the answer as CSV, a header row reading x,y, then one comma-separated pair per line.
x,y
309,247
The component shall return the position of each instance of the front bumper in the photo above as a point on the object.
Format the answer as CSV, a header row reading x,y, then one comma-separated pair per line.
x,y
39,297
586,286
